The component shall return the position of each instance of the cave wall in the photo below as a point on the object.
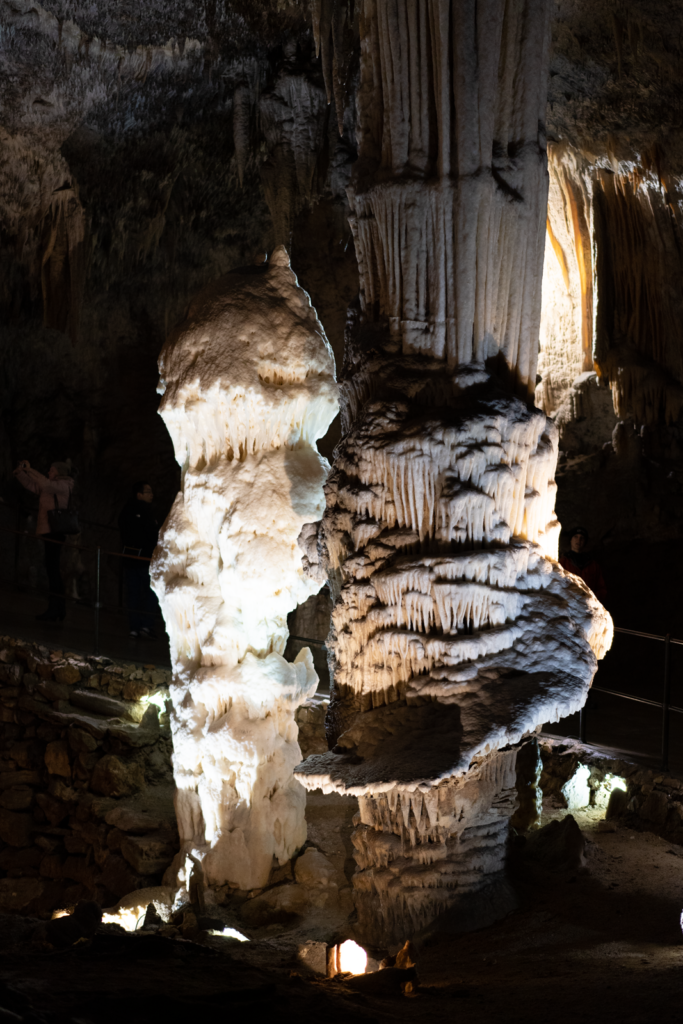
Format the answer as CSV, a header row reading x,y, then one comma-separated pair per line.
x,y
144,154
147,150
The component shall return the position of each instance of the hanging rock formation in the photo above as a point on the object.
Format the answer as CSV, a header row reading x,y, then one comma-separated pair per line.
x,y
455,632
611,297
248,387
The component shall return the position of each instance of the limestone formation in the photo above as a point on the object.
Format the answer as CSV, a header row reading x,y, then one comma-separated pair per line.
x,y
455,632
248,387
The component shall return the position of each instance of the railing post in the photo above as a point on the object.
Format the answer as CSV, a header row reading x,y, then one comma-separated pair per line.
x,y
665,703
582,724
97,603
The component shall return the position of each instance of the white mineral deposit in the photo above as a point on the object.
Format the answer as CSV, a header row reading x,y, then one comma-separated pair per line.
x,y
248,387
455,633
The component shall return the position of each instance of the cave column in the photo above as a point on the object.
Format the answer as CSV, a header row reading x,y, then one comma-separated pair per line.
x,y
248,387
455,633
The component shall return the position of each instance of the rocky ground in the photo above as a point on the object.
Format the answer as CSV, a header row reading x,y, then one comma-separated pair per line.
x,y
598,941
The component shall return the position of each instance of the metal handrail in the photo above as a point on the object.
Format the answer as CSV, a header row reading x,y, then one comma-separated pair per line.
x,y
665,705
647,636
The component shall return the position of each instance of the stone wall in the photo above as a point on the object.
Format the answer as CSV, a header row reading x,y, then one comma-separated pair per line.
x,y
652,800
86,786
86,783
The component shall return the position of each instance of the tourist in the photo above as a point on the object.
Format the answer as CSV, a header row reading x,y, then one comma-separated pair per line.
x,y
583,563
139,530
54,492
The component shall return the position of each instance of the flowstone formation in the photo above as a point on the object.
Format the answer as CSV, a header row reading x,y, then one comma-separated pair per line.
x,y
455,633
248,387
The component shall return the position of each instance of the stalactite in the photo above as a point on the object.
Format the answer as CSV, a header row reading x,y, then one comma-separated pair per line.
x,y
292,117
454,633
617,237
248,387
241,112
63,262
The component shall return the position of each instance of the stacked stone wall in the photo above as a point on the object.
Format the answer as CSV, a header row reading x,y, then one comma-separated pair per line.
x,y
86,785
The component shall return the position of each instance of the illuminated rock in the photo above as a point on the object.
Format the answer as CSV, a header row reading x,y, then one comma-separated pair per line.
x,y
248,386
455,632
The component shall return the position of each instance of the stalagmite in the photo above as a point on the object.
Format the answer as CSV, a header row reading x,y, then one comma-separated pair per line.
x,y
455,633
248,387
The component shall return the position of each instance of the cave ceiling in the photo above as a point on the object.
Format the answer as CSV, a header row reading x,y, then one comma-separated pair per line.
x,y
147,148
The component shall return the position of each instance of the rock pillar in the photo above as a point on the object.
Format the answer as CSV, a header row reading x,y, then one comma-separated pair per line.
x,y
248,387
455,632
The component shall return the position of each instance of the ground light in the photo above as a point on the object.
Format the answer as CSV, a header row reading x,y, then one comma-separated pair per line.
x,y
352,958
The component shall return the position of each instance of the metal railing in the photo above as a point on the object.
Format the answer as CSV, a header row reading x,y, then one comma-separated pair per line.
x,y
97,550
664,705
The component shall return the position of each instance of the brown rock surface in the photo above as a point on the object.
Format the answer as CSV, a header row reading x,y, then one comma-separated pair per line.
x,y
113,777
66,673
148,855
57,758
15,828
17,893
17,798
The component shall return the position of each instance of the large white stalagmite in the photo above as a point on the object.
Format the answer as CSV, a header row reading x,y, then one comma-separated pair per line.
x,y
248,387
455,632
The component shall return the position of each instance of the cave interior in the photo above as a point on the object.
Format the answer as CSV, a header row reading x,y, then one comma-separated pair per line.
x,y
383,301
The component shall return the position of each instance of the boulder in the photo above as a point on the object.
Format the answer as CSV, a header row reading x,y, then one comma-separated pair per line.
x,y
285,904
159,896
15,828
119,878
113,777
80,741
617,804
54,810
16,893
24,778
655,807
314,869
101,704
576,790
135,689
52,690
66,673
13,859
16,798
558,846
148,855
142,735
57,758
313,956
129,819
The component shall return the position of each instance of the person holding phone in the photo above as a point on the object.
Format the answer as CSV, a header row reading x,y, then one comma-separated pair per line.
x,y
54,491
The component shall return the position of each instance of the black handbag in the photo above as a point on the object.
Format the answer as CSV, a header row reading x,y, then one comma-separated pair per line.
x,y
63,520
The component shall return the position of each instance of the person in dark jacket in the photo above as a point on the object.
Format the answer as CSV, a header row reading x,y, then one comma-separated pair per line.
x,y
139,529
583,563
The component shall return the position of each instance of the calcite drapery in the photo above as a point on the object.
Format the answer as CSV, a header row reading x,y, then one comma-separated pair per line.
x,y
455,632
248,386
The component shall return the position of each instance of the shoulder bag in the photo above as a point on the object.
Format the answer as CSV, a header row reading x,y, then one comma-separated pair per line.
x,y
63,520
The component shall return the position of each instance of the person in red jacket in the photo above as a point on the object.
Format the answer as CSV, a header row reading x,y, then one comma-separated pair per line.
x,y
54,491
583,563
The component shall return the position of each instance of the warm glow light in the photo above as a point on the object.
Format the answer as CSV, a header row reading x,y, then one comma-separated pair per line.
x,y
127,917
158,699
352,958
229,933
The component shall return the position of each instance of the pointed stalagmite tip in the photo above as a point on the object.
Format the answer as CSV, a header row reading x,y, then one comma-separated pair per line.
x,y
279,257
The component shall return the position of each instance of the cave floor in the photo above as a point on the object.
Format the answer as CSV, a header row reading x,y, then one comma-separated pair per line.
x,y
599,943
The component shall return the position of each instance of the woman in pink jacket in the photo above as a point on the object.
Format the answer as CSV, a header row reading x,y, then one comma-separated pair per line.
x,y
58,485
